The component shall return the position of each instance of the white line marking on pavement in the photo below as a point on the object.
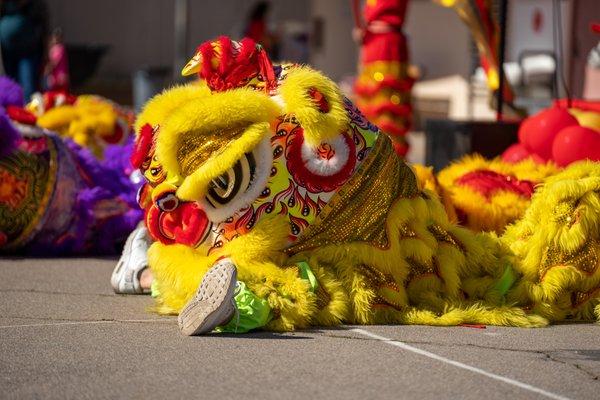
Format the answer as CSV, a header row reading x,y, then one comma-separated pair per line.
x,y
81,323
458,364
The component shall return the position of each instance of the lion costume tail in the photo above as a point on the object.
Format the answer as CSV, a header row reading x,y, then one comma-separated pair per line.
x,y
474,314
557,245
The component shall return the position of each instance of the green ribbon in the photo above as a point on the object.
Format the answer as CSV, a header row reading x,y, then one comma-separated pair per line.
x,y
506,281
254,312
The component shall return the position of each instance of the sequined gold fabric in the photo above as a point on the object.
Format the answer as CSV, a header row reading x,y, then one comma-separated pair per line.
x,y
358,211
443,236
418,268
378,280
580,298
586,259
196,148
323,298
406,232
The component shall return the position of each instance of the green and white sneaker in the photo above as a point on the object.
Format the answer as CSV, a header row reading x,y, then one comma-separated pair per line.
x,y
213,304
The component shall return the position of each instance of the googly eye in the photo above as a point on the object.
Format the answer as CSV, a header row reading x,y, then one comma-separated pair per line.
x,y
168,202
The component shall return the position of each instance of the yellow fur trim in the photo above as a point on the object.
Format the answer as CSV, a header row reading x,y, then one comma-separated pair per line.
x,y
198,119
557,244
86,122
157,109
427,180
177,271
503,207
58,118
318,126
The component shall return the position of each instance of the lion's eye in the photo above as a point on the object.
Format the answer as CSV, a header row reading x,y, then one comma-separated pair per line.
x,y
168,202
222,182
236,180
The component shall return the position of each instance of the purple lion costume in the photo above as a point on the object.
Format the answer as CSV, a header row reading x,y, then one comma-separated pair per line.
x,y
56,198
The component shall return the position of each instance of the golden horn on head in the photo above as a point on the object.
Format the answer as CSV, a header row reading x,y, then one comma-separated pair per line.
x,y
192,66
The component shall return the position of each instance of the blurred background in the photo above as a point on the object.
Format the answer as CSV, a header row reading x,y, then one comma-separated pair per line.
x,y
128,50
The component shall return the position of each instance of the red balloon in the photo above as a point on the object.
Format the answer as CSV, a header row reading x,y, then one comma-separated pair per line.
x,y
537,159
515,153
537,132
576,143
518,152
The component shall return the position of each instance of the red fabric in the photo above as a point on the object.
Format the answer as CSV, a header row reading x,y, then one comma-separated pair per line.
x,y
390,11
489,28
142,146
402,110
266,70
487,183
51,98
400,148
257,30
21,115
390,46
384,41
319,99
391,128
371,89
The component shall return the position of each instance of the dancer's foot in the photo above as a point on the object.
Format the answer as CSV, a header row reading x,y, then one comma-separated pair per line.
x,y
133,265
213,305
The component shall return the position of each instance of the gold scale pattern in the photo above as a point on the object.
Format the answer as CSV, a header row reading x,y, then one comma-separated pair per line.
x,y
442,235
358,211
580,298
197,147
586,259
418,268
378,280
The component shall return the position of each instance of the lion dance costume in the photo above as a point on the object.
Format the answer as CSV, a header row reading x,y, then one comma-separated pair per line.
x,y
273,168
56,197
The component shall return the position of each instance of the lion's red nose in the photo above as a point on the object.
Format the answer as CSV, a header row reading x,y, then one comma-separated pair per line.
x,y
186,224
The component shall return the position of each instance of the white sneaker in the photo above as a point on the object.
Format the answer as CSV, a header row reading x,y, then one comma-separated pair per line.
x,y
125,278
213,304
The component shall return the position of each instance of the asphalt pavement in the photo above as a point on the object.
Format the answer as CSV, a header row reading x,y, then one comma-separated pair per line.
x,y
65,335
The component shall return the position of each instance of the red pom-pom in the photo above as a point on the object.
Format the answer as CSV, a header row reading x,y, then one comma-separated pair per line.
x,y
576,143
538,132
186,224
142,147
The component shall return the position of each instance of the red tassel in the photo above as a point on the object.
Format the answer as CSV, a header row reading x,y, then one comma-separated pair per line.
x,y
234,65
266,69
